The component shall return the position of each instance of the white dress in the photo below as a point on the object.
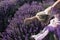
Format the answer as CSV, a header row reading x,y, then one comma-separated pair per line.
x,y
53,23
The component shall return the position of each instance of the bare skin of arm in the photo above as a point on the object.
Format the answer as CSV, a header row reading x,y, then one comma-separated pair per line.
x,y
48,10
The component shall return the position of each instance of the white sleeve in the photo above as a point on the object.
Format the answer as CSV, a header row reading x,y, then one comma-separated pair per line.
x,y
41,35
52,23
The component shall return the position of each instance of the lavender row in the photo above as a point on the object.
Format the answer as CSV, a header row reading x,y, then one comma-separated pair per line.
x,y
7,10
17,30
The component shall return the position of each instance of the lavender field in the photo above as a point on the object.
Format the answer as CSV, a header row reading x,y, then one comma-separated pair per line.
x,y
12,15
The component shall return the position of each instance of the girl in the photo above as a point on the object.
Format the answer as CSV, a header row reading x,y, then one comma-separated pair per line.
x,y
54,26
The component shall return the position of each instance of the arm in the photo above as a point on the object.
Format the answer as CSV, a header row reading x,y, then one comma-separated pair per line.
x,y
45,31
41,35
53,22
49,8
46,11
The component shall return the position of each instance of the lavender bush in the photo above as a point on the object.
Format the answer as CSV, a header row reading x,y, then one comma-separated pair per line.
x,y
17,30
7,10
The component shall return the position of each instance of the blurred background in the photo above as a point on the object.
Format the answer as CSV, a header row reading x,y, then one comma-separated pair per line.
x,y
12,15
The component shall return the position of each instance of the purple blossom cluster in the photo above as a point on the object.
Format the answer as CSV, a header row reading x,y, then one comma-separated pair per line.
x,y
17,30
7,10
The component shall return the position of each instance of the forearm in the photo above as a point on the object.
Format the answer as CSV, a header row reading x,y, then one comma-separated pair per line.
x,y
41,35
55,3
49,8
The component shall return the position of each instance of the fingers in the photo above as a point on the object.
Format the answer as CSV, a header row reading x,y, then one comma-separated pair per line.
x,y
34,37
27,21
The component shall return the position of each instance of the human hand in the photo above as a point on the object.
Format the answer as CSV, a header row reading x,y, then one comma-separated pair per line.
x,y
34,37
27,21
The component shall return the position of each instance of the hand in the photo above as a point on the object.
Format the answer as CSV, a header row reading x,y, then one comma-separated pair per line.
x,y
27,21
33,36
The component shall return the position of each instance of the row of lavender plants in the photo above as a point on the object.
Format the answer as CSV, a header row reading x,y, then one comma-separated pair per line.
x,y
12,15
